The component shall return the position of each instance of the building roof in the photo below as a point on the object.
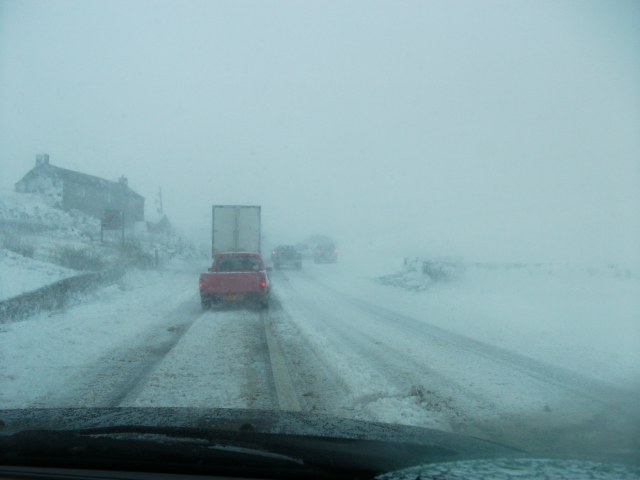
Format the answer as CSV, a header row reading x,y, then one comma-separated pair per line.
x,y
80,178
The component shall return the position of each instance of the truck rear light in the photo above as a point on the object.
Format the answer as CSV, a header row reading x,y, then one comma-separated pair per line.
x,y
263,284
200,284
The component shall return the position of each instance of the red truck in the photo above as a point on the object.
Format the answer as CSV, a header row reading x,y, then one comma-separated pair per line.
x,y
235,277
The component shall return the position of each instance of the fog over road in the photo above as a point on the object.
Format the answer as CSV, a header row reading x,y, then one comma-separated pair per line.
x,y
325,346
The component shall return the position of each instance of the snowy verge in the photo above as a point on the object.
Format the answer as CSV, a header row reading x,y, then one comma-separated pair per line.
x,y
55,296
19,274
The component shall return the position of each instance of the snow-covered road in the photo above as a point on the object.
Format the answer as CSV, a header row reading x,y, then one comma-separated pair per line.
x,y
351,348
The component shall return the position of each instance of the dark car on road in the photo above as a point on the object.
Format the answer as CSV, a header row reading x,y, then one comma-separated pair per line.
x,y
286,256
325,253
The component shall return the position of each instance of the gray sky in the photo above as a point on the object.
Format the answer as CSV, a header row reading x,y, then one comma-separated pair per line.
x,y
493,130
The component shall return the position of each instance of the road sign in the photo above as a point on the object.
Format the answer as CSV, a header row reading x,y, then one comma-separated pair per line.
x,y
112,220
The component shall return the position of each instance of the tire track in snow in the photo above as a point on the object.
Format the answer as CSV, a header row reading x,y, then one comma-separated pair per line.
x,y
283,386
307,370
133,383
573,382
122,373
371,368
481,393
126,375
223,361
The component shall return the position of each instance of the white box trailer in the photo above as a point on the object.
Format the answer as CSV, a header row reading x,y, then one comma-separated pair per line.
x,y
235,228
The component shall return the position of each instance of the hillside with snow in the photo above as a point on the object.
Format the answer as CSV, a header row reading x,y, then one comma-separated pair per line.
x,y
40,244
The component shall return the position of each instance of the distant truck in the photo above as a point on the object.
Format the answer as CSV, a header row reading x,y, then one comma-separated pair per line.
x,y
286,256
235,277
238,273
235,228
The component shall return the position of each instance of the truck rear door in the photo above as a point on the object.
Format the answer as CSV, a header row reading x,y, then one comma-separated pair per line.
x,y
236,228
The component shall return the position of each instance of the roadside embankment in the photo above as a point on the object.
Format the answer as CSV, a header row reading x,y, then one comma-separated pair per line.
x,y
55,295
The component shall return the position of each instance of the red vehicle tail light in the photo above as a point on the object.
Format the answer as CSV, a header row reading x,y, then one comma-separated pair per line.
x,y
264,284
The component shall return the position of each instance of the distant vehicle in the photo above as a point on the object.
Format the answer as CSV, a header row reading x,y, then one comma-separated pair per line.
x,y
235,228
235,277
305,250
286,256
325,253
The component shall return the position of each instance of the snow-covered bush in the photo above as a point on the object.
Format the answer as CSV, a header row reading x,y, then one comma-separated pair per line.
x,y
136,254
16,244
79,258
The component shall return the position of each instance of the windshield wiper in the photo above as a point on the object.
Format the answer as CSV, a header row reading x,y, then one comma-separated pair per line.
x,y
212,451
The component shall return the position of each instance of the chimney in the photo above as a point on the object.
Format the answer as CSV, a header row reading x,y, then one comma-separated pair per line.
x,y
123,180
42,159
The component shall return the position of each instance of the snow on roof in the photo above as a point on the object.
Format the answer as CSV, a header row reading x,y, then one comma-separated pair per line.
x,y
79,178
